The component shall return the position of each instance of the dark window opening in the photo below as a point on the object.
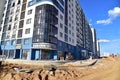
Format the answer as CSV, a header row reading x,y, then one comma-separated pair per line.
x,y
18,1
19,41
13,4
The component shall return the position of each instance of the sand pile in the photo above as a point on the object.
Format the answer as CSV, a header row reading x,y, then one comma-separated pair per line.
x,y
99,71
108,59
8,73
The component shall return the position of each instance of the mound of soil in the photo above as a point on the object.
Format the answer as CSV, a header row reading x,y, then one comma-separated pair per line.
x,y
100,71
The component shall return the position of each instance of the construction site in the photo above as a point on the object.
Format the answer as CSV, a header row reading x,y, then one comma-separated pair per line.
x,y
107,68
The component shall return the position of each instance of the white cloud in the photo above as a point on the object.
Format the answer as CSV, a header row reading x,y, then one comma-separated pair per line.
x,y
103,41
113,46
90,24
114,13
107,21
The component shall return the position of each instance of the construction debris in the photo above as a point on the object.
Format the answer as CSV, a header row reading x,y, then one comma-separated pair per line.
x,y
19,69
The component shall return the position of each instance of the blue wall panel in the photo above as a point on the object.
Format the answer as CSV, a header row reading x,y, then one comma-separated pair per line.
x,y
27,46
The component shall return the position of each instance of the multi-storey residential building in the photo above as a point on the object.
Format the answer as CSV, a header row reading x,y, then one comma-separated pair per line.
x,y
2,3
95,54
45,29
98,49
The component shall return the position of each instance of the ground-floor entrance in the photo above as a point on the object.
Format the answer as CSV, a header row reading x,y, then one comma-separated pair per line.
x,y
40,54
45,55
17,55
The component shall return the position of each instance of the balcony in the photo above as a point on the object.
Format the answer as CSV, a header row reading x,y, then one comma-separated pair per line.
x,y
24,1
22,15
44,46
23,7
21,24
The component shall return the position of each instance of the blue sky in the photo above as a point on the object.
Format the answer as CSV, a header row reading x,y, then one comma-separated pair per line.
x,y
104,16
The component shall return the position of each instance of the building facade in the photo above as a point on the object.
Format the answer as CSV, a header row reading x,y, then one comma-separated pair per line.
x,y
2,3
96,45
94,42
98,49
45,29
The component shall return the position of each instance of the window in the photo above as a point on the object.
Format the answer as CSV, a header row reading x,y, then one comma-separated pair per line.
x,y
3,36
12,11
61,34
25,52
27,31
15,26
0,28
29,12
73,34
61,25
66,38
13,42
72,4
13,34
2,42
6,53
1,21
11,54
18,1
69,25
69,31
66,30
69,18
53,40
13,4
9,27
26,41
23,7
10,20
28,21
69,39
21,24
18,9
30,3
69,12
7,42
16,17
72,40
69,6
72,10
61,17
20,33
8,35
19,41
6,21
22,15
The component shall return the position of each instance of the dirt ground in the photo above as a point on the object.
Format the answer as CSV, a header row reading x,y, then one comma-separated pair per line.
x,y
104,69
